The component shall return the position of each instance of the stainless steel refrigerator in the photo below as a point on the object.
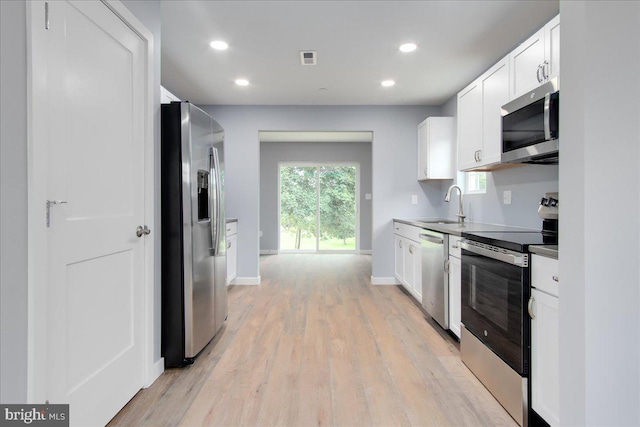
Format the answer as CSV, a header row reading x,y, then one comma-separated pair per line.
x,y
194,292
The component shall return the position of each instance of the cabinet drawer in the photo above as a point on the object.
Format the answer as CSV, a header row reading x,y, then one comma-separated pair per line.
x,y
454,246
411,232
544,274
232,228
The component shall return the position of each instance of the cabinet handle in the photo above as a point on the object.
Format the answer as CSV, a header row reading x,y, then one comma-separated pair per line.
x,y
555,278
447,266
411,249
545,75
479,155
530,308
400,244
425,172
229,244
538,74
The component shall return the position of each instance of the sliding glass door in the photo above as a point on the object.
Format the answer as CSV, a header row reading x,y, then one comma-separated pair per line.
x,y
318,208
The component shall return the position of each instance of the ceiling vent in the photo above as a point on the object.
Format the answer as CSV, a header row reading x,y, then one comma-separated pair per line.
x,y
308,57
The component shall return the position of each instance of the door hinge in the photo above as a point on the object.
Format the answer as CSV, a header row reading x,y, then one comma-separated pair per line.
x,y
46,15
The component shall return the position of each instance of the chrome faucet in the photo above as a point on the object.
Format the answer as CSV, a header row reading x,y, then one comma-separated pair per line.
x,y
460,214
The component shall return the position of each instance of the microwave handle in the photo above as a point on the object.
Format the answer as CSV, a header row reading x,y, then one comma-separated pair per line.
x,y
547,125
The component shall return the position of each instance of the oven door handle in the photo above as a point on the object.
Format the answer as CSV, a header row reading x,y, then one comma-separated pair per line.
x,y
510,257
547,124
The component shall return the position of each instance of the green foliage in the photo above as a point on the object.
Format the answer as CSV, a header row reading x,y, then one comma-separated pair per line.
x,y
337,202
298,193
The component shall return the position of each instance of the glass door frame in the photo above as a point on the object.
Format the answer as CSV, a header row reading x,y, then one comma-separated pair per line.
x,y
318,165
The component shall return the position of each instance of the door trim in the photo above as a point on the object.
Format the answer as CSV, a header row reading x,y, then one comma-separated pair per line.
x,y
37,253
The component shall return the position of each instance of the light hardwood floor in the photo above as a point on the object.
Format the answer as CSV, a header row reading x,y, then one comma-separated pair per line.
x,y
316,344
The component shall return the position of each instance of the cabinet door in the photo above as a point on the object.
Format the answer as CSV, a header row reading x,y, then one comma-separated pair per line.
x,y
455,294
525,61
436,148
469,126
423,150
399,257
495,93
232,257
552,48
409,265
545,356
415,276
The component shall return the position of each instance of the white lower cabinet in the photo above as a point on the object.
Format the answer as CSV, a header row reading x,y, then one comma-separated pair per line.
x,y
455,295
408,261
455,284
544,339
232,251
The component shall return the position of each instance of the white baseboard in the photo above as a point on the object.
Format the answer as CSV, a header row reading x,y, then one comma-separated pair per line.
x,y
268,252
366,252
384,281
246,281
156,371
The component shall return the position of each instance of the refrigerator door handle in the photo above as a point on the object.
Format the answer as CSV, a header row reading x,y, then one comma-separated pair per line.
x,y
213,202
218,227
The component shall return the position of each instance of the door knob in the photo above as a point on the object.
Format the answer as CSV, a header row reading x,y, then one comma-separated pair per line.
x,y
141,231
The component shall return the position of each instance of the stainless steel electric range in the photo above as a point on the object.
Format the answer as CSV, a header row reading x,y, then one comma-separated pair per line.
x,y
495,339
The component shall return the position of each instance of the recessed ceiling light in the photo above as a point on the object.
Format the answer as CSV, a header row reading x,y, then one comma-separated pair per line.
x,y
242,82
219,45
388,83
408,47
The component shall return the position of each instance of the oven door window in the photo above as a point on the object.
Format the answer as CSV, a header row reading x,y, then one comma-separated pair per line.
x,y
493,297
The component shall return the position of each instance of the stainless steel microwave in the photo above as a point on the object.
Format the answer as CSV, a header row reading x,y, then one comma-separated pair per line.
x,y
530,126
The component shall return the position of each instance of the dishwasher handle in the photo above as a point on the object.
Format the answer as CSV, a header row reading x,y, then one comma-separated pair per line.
x,y
432,239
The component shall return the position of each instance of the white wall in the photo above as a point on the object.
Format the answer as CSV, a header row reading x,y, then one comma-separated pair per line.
x,y
394,168
271,153
599,224
13,202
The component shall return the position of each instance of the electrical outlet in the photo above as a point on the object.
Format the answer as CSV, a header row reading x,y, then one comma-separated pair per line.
x,y
506,197
414,199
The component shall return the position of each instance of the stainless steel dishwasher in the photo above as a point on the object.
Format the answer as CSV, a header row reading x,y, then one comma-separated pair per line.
x,y
435,284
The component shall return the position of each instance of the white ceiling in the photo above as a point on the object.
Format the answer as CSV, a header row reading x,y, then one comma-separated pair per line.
x,y
357,44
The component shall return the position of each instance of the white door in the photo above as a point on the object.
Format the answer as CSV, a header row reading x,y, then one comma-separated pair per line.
x,y
96,88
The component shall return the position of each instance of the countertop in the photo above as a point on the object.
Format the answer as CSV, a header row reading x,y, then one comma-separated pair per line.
x,y
232,220
457,228
550,251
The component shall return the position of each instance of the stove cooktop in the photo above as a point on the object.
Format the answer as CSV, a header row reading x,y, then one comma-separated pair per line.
x,y
513,240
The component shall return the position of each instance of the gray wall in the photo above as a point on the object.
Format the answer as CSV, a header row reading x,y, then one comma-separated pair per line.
x,y
527,184
273,152
600,226
13,195
394,147
13,202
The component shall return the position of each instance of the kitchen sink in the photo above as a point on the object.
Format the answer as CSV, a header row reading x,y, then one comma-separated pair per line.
x,y
439,221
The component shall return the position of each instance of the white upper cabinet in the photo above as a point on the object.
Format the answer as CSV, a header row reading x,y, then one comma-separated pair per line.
x,y
469,125
552,47
537,60
479,118
436,148
495,93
